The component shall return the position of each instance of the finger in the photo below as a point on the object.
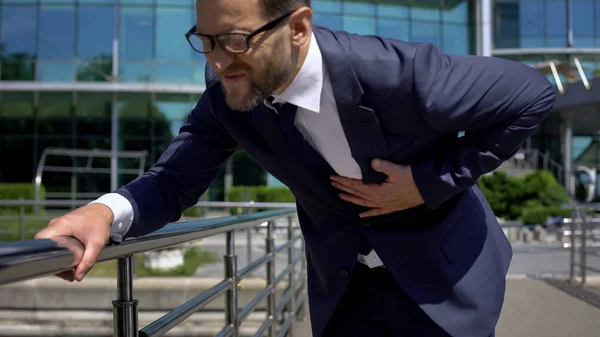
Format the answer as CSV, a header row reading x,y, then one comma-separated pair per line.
x,y
92,250
352,190
67,275
392,170
357,200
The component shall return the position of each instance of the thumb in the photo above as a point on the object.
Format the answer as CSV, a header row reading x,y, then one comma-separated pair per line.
x,y
92,250
385,166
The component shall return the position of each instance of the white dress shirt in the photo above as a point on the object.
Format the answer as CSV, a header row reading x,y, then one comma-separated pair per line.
x,y
317,119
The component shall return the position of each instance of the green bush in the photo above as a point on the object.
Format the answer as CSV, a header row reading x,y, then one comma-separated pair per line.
x,y
531,199
260,194
15,191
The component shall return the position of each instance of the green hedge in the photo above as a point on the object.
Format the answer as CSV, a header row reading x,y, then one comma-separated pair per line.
x,y
15,191
260,194
531,198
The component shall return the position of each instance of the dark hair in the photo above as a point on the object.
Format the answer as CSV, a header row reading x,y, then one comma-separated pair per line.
x,y
274,8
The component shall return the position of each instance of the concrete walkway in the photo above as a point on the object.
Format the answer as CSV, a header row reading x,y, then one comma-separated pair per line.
x,y
534,309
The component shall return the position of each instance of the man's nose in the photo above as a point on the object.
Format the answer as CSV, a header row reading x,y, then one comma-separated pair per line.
x,y
220,59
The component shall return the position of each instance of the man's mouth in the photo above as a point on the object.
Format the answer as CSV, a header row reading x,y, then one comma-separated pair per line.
x,y
233,77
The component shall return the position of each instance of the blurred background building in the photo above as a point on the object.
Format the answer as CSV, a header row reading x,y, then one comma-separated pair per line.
x,y
119,75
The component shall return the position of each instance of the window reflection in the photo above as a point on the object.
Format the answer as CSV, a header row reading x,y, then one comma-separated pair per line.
x,y
171,23
57,32
95,32
136,34
18,30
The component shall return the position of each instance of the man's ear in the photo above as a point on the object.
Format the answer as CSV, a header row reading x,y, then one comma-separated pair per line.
x,y
301,26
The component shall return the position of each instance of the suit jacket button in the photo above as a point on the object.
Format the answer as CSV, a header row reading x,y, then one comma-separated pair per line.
x,y
344,273
365,222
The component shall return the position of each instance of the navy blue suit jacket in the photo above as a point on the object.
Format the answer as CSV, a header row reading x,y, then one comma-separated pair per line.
x,y
403,102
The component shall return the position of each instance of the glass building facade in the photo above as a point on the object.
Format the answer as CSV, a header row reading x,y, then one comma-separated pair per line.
x,y
58,59
536,32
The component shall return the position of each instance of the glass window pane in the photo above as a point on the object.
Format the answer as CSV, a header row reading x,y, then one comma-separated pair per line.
x,y
174,73
556,24
112,2
175,109
428,32
17,68
329,6
98,70
171,25
386,10
18,30
532,19
425,14
506,29
583,14
16,136
57,32
55,71
53,104
331,21
137,2
532,42
176,2
16,104
458,14
393,28
361,8
136,34
456,39
359,24
584,42
136,72
96,32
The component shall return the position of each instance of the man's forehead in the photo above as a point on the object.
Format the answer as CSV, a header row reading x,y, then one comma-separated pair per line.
x,y
219,16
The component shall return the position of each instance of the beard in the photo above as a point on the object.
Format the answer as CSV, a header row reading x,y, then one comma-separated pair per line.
x,y
258,84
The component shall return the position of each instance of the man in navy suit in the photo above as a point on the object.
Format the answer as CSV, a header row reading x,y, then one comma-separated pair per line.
x,y
364,131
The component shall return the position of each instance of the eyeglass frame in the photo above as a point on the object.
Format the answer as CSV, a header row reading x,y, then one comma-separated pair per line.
x,y
248,36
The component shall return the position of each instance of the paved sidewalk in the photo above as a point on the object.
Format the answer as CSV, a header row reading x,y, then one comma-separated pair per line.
x,y
534,309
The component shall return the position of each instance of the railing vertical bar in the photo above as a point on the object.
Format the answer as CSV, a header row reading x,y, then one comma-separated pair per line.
x,y
249,238
303,314
270,249
291,310
231,301
583,249
21,221
572,248
125,316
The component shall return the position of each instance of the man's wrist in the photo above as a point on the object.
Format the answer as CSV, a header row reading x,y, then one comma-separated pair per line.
x,y
122,211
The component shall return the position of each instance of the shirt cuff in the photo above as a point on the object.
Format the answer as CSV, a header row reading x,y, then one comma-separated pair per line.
x,y
122,211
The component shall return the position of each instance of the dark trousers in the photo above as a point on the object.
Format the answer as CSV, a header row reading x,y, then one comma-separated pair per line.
x,y
374,305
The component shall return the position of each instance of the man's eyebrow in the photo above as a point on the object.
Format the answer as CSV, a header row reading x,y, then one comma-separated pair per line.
x,y
243,30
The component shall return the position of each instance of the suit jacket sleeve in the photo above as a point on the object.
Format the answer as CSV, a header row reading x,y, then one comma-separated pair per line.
x,y
182,173
497,102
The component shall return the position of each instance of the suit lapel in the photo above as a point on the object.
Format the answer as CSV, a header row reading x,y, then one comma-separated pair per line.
x,y
263,119
359,122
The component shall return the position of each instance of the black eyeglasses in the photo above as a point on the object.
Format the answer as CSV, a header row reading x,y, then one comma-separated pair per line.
x,y
234,43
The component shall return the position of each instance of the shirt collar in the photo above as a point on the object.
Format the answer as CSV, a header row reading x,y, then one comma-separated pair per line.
x,y
305,89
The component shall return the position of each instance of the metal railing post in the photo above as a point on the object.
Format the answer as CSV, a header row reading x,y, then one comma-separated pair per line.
x,y
583,249
21,220
125,316
249,236
231,299
572,248
291,277
270,250
302,314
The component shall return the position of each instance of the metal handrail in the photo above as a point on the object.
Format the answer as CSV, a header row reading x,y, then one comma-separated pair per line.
x,y
25,260
582,237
